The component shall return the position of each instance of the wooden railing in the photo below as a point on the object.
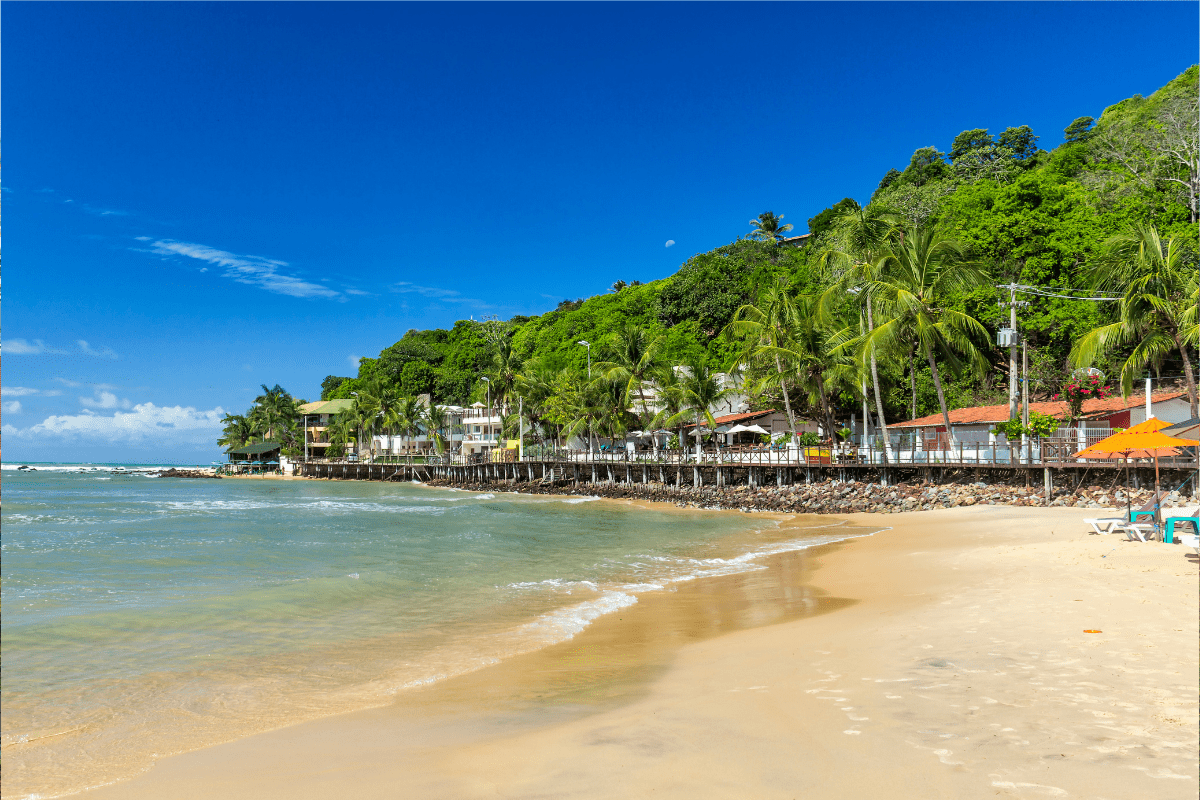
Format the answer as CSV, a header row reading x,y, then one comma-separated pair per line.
x,y
1049,452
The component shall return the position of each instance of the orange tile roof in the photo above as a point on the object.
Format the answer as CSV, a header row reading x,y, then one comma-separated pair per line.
x,y
1055,408
725,420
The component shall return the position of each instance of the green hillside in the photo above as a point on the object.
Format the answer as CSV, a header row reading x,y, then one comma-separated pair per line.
x,y
1028,215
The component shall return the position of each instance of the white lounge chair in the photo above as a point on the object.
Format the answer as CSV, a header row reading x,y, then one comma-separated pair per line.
x,y
1191,540
1106,525
1136,531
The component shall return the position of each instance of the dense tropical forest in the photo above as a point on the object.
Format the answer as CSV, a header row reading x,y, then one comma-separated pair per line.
x,y
898,296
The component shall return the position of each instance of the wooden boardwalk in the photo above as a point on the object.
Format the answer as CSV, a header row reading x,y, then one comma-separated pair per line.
x,y
679,474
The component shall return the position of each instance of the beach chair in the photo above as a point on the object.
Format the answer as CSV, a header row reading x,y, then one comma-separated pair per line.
x,y
1191,540
1173,516
1137,531
1105,525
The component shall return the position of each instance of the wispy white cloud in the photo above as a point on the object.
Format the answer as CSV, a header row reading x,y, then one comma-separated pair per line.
x,y
669,242
101,352
404,287
354,360
103,212
145,423
435,293
25,391
251,270
20,347
13,407
103,400
356,292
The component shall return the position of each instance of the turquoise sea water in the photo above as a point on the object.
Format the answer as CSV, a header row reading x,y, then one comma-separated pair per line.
x,y
145,616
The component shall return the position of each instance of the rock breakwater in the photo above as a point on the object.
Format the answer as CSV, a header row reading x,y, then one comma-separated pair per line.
x,y
831,497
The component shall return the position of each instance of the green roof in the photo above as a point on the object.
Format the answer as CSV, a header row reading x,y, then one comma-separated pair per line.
x,y
326,407
253,449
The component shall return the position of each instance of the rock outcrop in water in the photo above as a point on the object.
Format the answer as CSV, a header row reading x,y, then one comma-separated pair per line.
x,y
832,497
187,473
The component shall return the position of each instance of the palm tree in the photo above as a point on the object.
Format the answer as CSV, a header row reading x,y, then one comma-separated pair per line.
x,y
342,429
912,283
612,407
410,413
436,420
506,365
1157,313
767,324
563,401
767,227
536,385
862,235
806,351
633,357
385,397
364,416
700,391
237,431
274,408
581,406
668,384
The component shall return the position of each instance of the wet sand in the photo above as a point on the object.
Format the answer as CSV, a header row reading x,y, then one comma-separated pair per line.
x,y
947,657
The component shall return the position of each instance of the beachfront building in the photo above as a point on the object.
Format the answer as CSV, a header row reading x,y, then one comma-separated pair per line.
x,y
255,455
482,429
1097,421
773,423
421,442
316,418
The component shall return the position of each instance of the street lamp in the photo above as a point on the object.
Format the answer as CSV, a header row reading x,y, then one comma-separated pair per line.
x,y
358,438
588,345
488,424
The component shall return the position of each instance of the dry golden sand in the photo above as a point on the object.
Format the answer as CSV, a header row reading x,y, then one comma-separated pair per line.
x,y
945,658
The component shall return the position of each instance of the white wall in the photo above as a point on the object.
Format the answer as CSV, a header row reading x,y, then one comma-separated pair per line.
x,y
1177,410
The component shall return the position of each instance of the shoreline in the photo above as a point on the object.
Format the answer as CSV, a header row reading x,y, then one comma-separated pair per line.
x,y
750,673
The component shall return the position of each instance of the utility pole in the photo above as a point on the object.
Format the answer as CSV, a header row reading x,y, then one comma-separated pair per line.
x,y
1011,338
1012,353
1025,384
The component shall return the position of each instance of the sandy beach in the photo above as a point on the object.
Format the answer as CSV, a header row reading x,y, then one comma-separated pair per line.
x,y
970,652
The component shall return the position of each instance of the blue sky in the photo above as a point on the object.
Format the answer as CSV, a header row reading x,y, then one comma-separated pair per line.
x,y
201,198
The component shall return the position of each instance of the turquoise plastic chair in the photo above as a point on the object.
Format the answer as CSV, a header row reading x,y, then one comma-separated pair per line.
x,y
1169,533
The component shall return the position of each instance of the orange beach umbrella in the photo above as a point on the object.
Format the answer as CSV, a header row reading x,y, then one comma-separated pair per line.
x,y
1145,440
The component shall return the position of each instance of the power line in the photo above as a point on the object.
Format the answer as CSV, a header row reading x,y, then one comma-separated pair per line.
x,y
1053,291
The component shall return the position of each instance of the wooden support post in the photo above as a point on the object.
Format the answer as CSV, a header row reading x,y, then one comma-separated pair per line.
x,y
1048,481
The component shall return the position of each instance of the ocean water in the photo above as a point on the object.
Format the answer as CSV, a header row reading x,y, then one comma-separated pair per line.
x,y
147,616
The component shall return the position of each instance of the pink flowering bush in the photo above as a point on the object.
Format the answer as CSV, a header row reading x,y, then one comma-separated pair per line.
x,y
1078,390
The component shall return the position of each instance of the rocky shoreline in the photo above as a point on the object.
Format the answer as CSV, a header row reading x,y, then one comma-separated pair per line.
x,y
188,473
834,497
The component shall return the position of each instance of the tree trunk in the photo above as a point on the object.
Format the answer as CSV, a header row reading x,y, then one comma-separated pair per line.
x,y
912,377
875,384
937,384
825,410
1188,375
787,403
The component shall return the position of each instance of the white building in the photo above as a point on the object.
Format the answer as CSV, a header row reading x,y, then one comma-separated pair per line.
x,y
482,429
